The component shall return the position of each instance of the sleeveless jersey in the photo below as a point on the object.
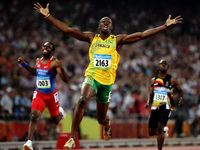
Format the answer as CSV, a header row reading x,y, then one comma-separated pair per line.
x,y
104,60
45,80
162,92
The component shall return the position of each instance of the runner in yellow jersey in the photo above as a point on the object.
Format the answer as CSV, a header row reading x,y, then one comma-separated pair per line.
x,y
104,58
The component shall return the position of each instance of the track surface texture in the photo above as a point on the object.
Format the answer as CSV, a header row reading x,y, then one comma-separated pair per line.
x,y
151,148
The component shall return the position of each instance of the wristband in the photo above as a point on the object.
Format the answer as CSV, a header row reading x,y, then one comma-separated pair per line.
x,y
25,64
47,15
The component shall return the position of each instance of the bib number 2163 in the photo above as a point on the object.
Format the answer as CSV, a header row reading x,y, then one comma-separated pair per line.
x,y
102,61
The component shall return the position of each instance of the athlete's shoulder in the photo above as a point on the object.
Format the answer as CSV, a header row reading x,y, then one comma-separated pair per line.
x,y
168,77
38,59
113,36
53,58
96,35
154,77
56,62
120,38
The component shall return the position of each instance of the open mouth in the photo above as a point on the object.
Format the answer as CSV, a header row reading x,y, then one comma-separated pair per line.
x,y
105,28
45,51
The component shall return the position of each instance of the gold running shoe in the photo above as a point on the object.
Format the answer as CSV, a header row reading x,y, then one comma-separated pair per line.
x,y
69,144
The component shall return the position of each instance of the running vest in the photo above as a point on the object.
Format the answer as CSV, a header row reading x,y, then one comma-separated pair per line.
x,y
45,80
104,60
162,92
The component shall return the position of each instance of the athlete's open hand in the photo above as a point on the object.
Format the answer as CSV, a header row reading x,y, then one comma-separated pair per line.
x,y
174,21
44,11
20,60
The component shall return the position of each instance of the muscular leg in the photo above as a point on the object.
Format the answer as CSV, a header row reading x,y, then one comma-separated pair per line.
x,y
33,123
86,93
160,136
153,123
102,118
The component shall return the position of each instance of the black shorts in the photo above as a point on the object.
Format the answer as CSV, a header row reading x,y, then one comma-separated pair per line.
x,y
159,115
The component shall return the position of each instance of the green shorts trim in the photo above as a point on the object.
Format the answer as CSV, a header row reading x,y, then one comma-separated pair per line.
x,y
103,92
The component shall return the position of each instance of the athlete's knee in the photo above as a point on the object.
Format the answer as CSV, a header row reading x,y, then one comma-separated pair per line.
x,y
100,120
82,101
34,117
55,120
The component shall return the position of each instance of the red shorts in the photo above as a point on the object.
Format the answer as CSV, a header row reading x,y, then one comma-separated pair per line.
x,y
41,100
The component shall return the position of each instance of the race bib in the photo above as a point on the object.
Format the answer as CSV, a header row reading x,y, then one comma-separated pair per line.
x,y
160,96
102,61
43,83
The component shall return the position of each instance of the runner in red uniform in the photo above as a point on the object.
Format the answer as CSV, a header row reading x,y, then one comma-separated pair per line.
x,y
45,94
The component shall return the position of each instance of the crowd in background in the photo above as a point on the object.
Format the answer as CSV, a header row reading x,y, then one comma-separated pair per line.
x,y
23,31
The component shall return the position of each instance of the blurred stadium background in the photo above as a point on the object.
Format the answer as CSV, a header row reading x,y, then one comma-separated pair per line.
x,y
22,31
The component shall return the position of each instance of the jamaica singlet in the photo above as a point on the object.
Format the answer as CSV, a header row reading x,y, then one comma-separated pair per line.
x,y
162,92
104,60
45,80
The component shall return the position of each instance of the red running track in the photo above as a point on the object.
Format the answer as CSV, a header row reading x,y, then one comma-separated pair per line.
x,y
151,148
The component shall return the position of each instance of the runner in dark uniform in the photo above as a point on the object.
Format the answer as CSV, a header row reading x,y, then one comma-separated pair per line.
x,y
161,102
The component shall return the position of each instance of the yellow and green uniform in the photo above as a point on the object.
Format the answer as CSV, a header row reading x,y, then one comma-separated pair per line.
x,y
104,60
101,71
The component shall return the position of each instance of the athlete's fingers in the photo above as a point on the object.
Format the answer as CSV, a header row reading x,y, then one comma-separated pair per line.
x,y
36,9
47,6
39,4
179,18
178,21
36,6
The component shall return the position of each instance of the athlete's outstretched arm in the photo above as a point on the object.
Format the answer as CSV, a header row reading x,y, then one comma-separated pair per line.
x,y
83,36
26,65
61,71
126,39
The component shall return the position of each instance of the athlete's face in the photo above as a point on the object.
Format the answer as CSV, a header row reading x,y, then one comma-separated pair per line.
x,y
163,66
47,48
105,25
